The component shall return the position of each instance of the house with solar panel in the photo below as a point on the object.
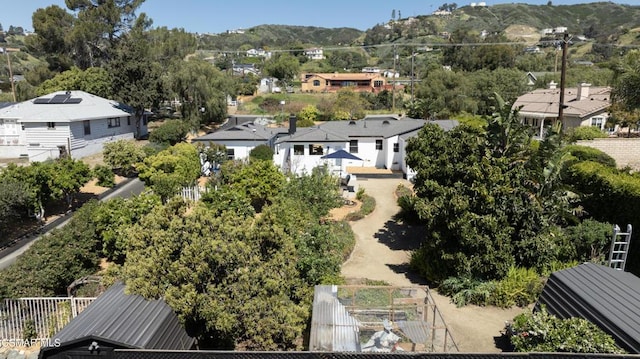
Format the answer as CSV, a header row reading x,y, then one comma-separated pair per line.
x,y
76,123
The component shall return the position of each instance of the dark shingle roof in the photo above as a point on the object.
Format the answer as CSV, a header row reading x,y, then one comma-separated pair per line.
x,y
605,296
373,128
128,321
243,132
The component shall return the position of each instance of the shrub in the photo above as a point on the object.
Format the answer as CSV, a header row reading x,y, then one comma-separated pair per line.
x,y
520,287
261,152
465,291
587,241
105,176
170,133
122,155
584,153
543,332
585,133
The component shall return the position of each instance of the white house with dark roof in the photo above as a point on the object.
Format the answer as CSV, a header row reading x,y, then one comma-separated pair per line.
x,y
584,106
242,137
73,121
379,141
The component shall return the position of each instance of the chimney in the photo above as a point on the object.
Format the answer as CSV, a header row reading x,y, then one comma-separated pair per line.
x,y
292,124
583,91
552,85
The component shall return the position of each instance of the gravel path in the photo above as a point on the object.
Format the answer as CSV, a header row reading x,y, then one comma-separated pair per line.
x,y
382,252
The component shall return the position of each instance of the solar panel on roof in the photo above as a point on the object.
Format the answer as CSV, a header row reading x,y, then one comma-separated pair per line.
x,y
60,98
74,100
41,100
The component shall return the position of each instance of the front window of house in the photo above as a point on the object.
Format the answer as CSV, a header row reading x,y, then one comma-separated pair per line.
x,y
113,122
353,146
298,150
316,82
51,125
378,144
377,83
316,150
597,122
231,154
396,147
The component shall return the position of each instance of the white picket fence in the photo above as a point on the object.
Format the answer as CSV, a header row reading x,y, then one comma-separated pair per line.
x,y
43,317
193,193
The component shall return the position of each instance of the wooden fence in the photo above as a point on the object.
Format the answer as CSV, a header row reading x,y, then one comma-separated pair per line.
x,y
38,318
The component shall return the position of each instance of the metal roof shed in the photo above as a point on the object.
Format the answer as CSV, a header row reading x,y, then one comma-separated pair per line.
x,y
116,320
605,296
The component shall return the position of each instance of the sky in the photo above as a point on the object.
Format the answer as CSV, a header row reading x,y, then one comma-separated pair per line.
x,y
217,16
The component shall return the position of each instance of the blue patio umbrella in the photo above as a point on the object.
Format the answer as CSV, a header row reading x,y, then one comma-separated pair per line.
x,y
341,155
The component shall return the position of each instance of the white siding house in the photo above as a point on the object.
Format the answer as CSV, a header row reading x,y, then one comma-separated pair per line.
x,y
73,121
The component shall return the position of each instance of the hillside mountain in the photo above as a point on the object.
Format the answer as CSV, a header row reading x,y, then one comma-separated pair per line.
x,y
277,36
606,22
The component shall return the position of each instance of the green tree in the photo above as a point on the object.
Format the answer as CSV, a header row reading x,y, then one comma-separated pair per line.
x,y
259,181
444,93
67,177
202,89
93,80
136,78
56,260
98,28
228,277
349,102
308,116
170,132
262,153
51,26
14,199
284,67
479,194
122,156
171,169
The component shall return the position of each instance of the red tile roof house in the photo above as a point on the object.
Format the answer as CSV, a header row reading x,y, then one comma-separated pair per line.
x,y
332,82
585,106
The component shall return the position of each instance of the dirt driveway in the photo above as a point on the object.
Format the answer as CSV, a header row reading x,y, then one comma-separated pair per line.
x,y
382,253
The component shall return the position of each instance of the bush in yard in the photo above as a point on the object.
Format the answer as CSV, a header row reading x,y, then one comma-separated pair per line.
x,y
586,133
261,152
170,133
122,156
545,333
588,241
584,153
520,287
105,176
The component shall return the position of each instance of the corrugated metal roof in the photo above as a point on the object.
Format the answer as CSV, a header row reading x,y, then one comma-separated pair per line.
x,y
129,321
333,329
89,107
605,296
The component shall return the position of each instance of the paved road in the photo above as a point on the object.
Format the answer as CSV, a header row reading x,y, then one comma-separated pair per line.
x,y
8,256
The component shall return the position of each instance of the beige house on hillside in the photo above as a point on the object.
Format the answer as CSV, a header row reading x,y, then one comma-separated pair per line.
x,y
584,106
332,82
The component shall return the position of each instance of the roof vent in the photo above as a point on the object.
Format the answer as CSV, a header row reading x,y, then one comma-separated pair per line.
x,y
352,122
385,122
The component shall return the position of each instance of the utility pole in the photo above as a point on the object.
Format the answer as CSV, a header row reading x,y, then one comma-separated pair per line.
x,y
563,74
13,87
393,88
413,55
